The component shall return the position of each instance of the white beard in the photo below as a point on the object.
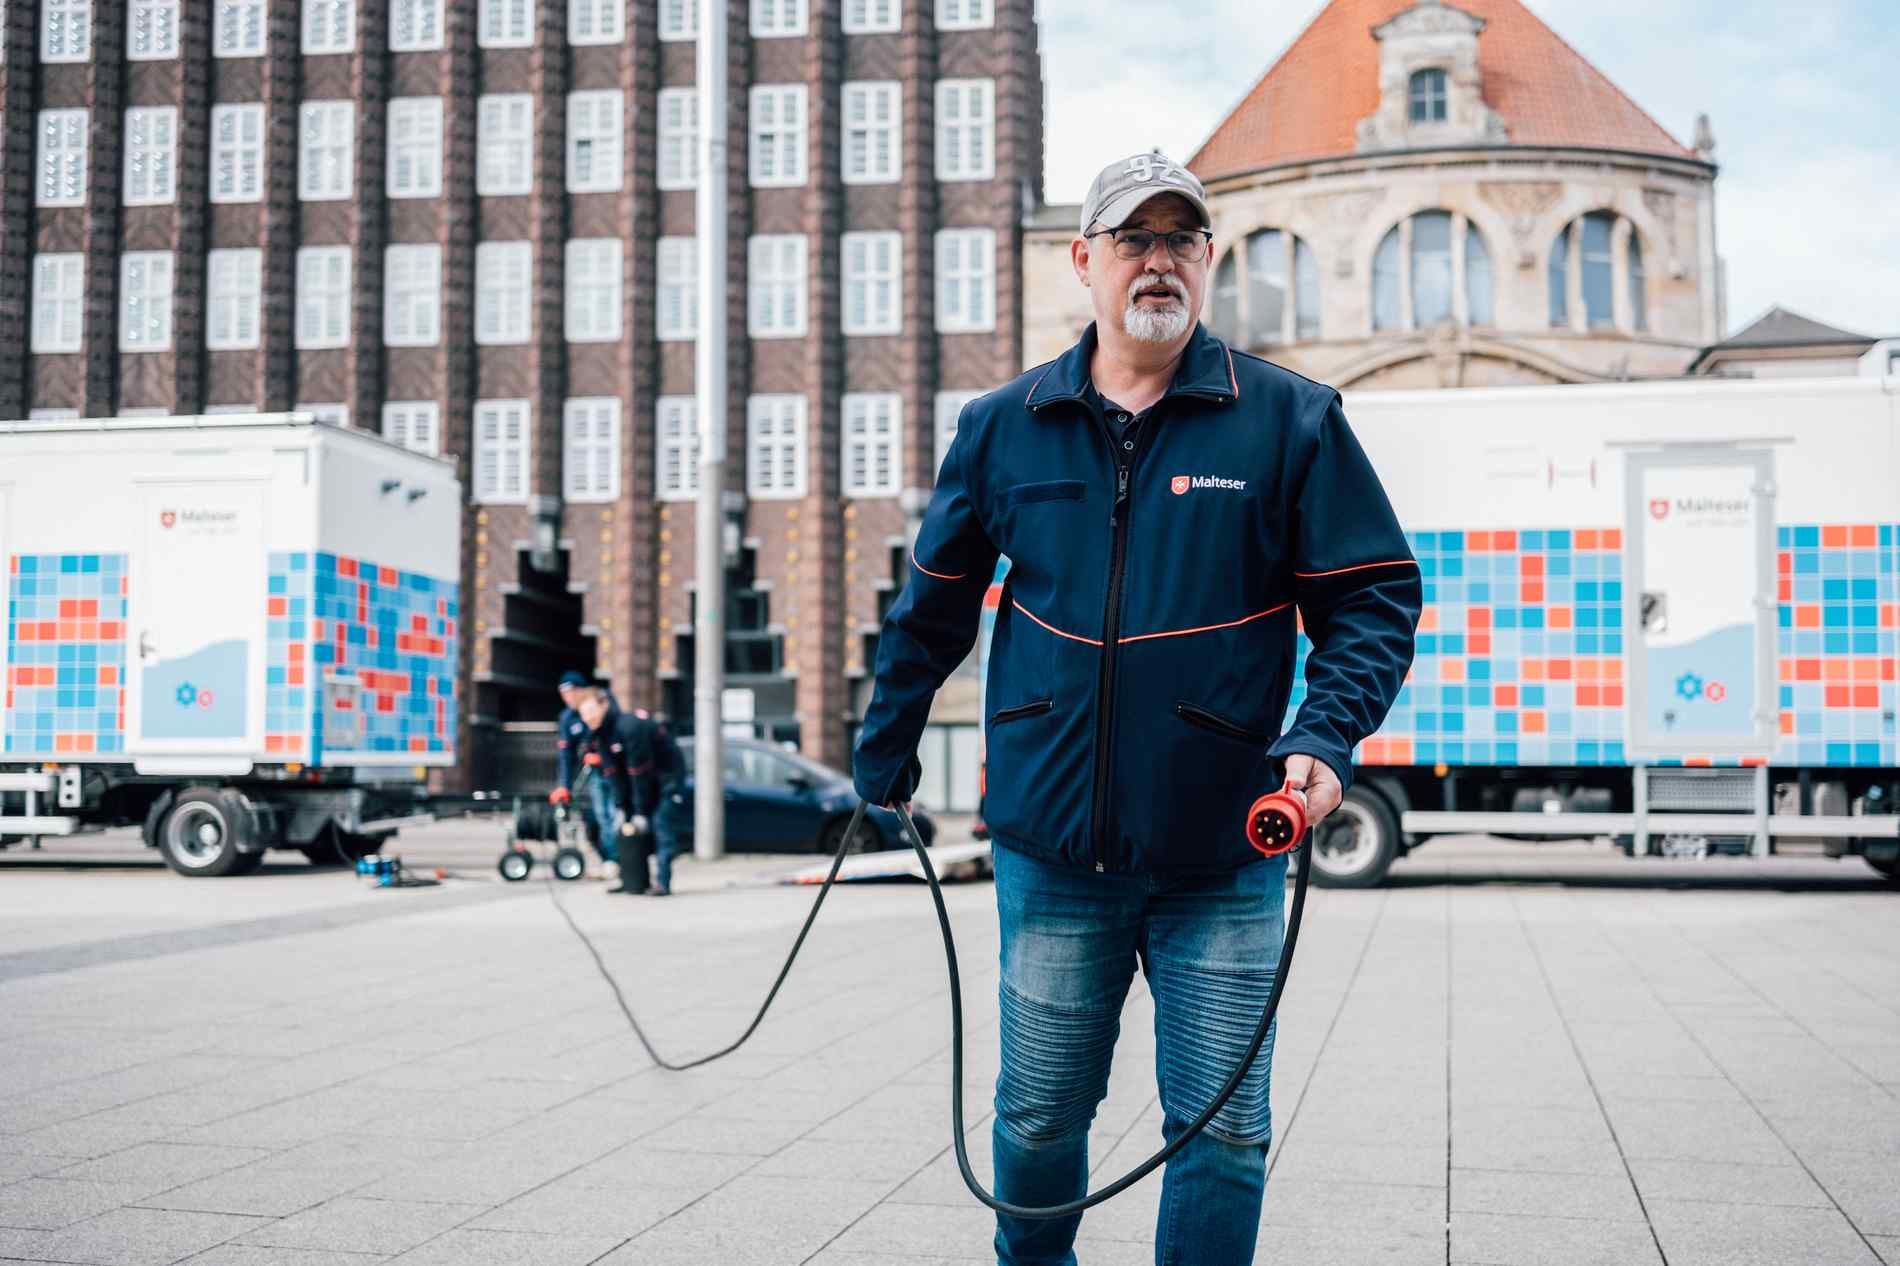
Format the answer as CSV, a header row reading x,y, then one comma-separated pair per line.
x,y
1155,325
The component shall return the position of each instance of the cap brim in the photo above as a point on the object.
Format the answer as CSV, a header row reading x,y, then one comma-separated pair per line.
x,y
1116,210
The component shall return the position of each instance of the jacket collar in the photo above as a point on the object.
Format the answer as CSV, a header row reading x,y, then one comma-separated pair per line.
x,y
1206,370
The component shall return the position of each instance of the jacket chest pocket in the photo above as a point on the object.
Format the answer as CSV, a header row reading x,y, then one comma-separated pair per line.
x,y
1038,508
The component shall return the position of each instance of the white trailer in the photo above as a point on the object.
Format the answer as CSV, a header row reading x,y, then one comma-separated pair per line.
x,y
239,632
1664,613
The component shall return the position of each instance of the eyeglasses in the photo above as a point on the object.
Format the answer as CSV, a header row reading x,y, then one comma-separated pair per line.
x,y
1186,245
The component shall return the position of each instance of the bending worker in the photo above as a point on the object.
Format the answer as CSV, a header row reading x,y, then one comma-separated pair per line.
x,y
1168,504
570,736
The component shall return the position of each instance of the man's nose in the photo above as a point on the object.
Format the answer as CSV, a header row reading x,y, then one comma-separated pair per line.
x,y
1160,258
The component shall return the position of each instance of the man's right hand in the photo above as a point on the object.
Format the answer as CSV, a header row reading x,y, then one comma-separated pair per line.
x,y
559,795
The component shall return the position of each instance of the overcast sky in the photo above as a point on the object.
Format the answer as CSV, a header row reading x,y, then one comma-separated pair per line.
x,y
1804,99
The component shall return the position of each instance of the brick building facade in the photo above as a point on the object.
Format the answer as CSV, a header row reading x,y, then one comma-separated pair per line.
x,y
468,223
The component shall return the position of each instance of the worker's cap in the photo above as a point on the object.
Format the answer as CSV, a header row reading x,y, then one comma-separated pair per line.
x,y
1124,185
572,678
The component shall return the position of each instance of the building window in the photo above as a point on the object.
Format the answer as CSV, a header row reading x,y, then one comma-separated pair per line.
x,y
412,296
55,414
1440,260
323,297
1267,291
501,450
679,138
871,120
337,415
873,294
414,424
145,301
966,129
414,163
506,24
965,15
593,141
503,271
59,288
62,158
1639,283
504,163
151,156
777,17
679,19
239,29
1427,96
329,26
596,21
327,153
678,316
1586,252
65,30
593,290
1598,271
775,268
778,135
234,290
873,430
949,411
590,466
966,280
151,32
775,447
676,472
237,153
415,25
871,17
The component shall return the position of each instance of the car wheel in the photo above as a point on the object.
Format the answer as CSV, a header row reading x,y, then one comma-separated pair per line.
x,y
866,839
1888,866
203,832
1356,844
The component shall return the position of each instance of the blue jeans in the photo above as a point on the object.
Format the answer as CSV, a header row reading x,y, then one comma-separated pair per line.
x,y
600,806
1209,946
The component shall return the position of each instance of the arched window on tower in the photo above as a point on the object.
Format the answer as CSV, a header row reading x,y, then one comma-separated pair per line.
x,y
1592,258
1266,291
1430,269
1224,310
1428,96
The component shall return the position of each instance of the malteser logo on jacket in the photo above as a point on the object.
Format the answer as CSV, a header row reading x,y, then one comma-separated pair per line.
x,y
1182,483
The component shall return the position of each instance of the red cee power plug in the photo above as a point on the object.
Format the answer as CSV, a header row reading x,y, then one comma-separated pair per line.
x,y
1277,822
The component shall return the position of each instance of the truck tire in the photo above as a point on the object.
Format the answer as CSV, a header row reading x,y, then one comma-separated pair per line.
x,y
203,833
1357,843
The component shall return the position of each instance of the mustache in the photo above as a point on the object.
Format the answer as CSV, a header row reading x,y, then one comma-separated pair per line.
x,y
1174,285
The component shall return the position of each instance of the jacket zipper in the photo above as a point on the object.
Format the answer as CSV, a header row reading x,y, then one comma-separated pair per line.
x,y
1219,724
1111,629
1022,710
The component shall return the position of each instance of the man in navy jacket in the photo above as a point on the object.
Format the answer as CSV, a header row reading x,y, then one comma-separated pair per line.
x,y
1168,505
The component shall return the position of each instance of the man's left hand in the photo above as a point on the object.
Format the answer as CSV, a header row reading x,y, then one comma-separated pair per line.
x,y
1321,785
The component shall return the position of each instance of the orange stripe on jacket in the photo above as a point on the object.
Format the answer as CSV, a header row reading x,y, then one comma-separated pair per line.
x,y
1340,571
1052,628
1142,637
939,575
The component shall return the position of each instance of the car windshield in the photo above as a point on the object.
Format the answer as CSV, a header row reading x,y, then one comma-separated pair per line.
x,y
756,764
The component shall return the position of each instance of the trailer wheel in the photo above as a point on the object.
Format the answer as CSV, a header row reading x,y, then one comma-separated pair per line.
x,y
1356,844
203,833
569,864
515,865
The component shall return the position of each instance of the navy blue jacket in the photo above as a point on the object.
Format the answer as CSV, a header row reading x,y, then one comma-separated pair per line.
x,y
1143,650
570,732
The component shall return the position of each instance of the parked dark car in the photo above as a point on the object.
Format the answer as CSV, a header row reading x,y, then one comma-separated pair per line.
x,y
780,801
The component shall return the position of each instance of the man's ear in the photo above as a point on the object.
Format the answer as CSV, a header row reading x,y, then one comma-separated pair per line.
x,y
1079,257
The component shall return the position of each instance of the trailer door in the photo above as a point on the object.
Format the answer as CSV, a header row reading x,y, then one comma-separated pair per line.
x,y
196,619
1699,603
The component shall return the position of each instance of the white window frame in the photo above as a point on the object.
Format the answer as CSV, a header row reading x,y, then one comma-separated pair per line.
x,y
955,276
411,23
326,151
245,155
867,137
957,135
498,290
873,267
778,19
238,28
777,115
329,26
145,301
66,30
679,138
323,304
596,21
595,155
505,24
872,431
328,413
873,17
59,302
679,20
676,314
151,156
676,448
775,285
412,295
234,298
508,483
54,413
775,432
965,15
594,293
157,21
412,166
949,410
504,158
415,425
590,449
61,158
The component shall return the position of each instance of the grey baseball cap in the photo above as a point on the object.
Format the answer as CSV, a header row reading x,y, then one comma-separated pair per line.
x,y
1125,184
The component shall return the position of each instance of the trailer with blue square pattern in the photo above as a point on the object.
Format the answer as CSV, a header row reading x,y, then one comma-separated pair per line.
x,y
238,631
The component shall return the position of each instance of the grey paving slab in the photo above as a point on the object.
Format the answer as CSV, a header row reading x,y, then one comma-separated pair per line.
x,y
158,1166
1331,1246
140,1237
357,1225
1697,1234
47,1204
468,1247
567,1208
1499,1239
1866,1185
257,1190
252,1255
1727,1183
1607,1197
